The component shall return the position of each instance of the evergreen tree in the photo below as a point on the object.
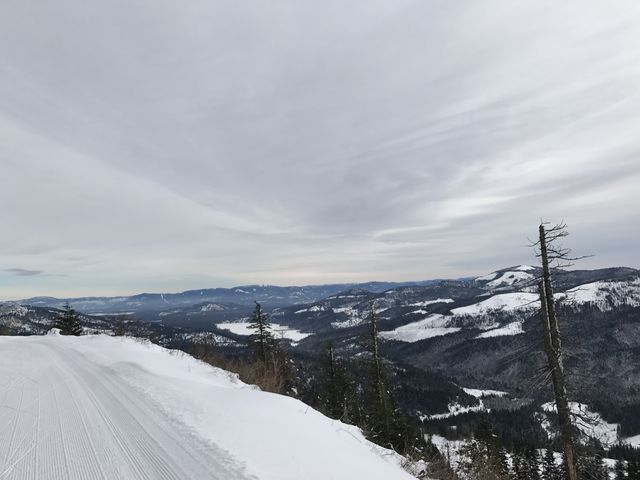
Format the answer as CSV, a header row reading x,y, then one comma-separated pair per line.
x,y
633,469
550,469
120,326
68,321
531,458
591,467
620,470
381,410
338,395
482,457
262,340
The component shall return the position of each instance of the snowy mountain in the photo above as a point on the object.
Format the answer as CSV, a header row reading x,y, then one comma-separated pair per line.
x,y
150,304
97,407
469,331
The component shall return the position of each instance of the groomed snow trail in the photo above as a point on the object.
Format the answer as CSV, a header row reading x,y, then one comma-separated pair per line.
x,y
65,417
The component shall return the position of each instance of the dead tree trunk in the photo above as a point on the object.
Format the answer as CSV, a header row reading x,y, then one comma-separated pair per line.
x,y
553,350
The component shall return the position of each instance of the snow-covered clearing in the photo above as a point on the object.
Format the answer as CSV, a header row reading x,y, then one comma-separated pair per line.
x,y
474,392
510,278
487,278
314,308
513,328
589,423
432,326
98,407
431,302
279,331
607,295
457,409
506,302
633,441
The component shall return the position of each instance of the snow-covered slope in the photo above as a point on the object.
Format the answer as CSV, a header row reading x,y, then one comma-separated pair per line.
x,y
432,326
590,424
98,407
607,295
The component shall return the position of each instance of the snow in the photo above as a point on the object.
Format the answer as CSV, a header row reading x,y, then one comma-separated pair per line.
x,y
589,423
509,279
432,326
212,307
430,302
457,409
607,295
525,268
449,449
315,308
513,328
99,407
353,320
474,392
633,441
279,331
508,302
487,278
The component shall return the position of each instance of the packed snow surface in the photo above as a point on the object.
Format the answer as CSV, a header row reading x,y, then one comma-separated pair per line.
x,y
98,407
279,331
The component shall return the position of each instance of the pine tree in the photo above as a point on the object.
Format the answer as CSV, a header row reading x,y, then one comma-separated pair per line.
x,y
591,467
381,410
528,465
633,470
68,321
262,340
620,470
482,457
550,469
120,326
338,393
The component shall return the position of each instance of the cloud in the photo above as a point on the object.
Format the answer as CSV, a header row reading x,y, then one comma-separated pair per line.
x,y
21,272
219,142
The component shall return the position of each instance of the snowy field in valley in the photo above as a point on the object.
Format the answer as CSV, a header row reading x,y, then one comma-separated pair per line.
x,y
98,407
279,331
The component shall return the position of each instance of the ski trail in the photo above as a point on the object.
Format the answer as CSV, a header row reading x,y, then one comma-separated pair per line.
x,y
76,420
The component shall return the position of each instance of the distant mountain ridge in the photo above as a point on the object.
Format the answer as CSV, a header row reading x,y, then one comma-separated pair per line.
x,y
270,295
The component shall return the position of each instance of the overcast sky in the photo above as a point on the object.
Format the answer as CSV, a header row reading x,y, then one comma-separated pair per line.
x,y
162,145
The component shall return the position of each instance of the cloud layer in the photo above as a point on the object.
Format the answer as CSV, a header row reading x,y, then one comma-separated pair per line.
x,y
151,144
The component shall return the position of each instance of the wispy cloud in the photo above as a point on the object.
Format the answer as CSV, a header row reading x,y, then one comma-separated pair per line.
x,y
23,272
237,142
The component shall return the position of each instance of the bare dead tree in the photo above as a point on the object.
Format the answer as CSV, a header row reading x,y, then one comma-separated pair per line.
x,y
553,254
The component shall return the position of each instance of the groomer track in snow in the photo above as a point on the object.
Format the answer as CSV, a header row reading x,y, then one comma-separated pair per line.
x,y
104,408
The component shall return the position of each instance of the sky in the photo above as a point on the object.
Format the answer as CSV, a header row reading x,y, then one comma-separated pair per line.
x,y
158,145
